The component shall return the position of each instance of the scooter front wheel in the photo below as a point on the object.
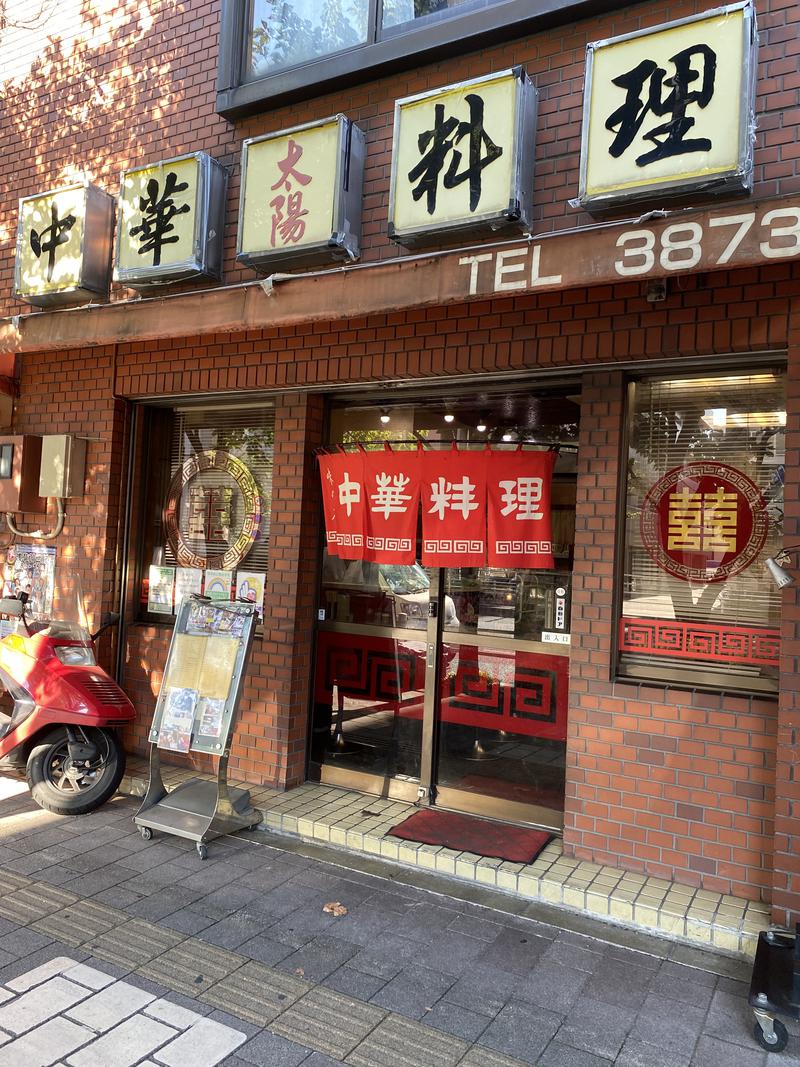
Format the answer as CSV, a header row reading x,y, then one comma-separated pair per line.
x,y
67,788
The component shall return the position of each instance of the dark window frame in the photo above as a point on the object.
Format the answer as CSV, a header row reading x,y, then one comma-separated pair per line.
x,y
462,33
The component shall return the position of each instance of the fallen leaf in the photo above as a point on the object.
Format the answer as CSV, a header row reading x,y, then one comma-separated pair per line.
x,y
335,908
300,971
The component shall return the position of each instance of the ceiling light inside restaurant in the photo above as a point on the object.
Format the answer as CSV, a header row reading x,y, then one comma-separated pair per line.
x,y
385,417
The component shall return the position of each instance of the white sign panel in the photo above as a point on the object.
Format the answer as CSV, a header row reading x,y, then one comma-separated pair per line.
x,y
670,110
462,157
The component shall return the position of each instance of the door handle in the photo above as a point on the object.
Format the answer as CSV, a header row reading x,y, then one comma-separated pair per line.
x,y
431,660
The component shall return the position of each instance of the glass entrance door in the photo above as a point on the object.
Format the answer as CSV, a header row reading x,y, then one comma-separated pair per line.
x,y
450,686
502,701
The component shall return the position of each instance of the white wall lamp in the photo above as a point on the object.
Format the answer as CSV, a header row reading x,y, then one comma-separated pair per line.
x,y
777,564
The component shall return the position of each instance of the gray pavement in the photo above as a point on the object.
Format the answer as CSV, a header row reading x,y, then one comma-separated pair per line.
x,y
115,951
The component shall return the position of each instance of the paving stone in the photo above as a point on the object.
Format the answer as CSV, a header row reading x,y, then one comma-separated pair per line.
x,y
187,921
577,956
636,1053
684,984
620,983
125,1045
711,1053
387,958
110,1006
45,1044
34,902
558,1055
12,883
270,1050
413,992
133,944
41,974
458,1021
513,950
265,950
88,976
231,931
23,941
203,1045
729,1019
319,958
328,1022
81,922
486,990
401,1042
478,1056
191,967
40,1004
668,1024
552,985
596,1027
354,983
161,903
172,1014
521,1031
256,993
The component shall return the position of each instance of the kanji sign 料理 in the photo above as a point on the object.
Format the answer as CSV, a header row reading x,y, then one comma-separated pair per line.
x,y
670,109
391,487
454,509
462,157
344,502
64,242
301,194
170,221
704,522
520,524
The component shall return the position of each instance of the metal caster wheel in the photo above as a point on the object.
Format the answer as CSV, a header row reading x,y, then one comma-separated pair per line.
x,y
780,1036
202,850
146,832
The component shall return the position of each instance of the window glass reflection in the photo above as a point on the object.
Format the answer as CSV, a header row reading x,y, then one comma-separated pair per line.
x,y
291,32
402,13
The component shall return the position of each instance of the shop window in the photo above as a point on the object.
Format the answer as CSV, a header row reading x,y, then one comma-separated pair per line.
x,y
205,519
277,52
704,510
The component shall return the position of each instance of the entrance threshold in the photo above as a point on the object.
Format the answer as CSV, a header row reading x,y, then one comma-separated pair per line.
x,y
360,823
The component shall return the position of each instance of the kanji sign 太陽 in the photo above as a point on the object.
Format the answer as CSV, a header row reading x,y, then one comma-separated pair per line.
x,y
704,522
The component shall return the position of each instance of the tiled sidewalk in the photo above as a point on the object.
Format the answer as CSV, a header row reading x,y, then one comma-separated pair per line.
x,y
360,823
408,977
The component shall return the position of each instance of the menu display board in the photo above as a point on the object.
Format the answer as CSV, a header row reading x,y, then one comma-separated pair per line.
x,y
203,676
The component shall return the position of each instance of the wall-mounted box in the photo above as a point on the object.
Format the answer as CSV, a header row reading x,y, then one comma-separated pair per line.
x,y
20,456
63,465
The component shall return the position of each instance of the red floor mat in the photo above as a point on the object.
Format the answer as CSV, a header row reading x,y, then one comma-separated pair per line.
x,y
465,833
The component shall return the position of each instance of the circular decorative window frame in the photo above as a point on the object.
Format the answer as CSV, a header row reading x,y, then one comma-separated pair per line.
x,y
649,522
217,460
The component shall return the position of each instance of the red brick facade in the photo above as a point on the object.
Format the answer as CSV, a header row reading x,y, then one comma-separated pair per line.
x,y
672,782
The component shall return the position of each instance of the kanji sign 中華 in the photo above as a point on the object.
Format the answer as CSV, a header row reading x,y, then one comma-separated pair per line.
x,y
391,485
343,501
463,157
63,245
520,524
704,522
454,509
670,108
301,193
170,215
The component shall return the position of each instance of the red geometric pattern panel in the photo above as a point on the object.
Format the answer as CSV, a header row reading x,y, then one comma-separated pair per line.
x,y
751,646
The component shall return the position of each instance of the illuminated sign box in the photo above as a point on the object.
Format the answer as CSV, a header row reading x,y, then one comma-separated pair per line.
x,y
462,158
301,195
171,217
670,111
64,240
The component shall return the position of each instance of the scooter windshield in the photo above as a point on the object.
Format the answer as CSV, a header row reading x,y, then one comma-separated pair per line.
x,y
57,612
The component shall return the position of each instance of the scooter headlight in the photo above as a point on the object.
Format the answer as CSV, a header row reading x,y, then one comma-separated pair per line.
x,y
75,655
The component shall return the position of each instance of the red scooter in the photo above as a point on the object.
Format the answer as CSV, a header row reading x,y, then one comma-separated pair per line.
x,y
59,710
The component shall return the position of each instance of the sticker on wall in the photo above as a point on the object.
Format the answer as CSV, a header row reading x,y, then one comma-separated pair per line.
x,y
301,194
250,587
462,158
160,590
704,522
217,585
64,240
171,217
670,110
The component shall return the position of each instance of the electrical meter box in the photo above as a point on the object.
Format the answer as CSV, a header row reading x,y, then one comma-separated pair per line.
x,y
63,465
20,457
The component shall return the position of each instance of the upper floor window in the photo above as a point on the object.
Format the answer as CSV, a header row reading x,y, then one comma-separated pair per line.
x,y
275,51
